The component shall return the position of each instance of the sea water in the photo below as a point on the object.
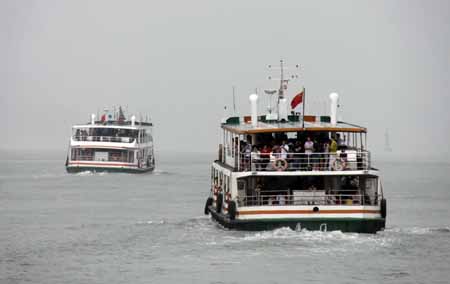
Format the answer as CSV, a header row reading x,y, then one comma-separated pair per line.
x,y
150,228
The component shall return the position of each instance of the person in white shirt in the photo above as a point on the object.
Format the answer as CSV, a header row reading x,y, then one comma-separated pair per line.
x,y
281,200
309,149
284,150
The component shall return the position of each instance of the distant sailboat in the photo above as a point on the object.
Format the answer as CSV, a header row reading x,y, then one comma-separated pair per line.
x,y
387,145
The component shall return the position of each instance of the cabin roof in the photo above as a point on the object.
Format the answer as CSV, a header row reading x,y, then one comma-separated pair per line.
x,y
292,126
114,124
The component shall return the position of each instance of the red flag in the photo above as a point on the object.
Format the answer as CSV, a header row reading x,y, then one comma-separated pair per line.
x,y
298,99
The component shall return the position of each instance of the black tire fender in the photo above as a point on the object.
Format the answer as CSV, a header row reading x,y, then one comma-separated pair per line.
x,y
232,210
209,202
383,208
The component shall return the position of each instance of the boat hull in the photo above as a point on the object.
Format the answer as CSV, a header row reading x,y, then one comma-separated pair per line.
x,y
75,169
354,225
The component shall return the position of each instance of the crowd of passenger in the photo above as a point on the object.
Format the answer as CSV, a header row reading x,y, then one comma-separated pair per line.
x,y
320,153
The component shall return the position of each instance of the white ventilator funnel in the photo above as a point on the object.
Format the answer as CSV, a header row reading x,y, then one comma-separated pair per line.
x,y
333,110
92,119
282,109
254,107
133,120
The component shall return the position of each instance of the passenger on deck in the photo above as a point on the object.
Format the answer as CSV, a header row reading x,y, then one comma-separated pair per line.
x,y
333,149
256,160
281,200
264,157
309,149
325,156
258,190
317,159
340,141
343,155
284,150
246,151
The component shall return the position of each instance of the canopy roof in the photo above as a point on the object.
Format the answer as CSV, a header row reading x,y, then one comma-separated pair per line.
x,y
292,126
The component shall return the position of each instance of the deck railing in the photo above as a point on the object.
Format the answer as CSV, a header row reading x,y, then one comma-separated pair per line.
x,y
340,161
111,158
115,139
305,199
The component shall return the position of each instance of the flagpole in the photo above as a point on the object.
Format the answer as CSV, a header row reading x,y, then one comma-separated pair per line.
x,y
304,99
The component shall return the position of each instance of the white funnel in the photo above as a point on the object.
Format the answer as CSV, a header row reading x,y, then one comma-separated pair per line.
x,y
282,110
133,120
333,111
254,106
92,119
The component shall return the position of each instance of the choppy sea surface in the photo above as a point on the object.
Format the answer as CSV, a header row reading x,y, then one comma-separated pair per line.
x,y
150,228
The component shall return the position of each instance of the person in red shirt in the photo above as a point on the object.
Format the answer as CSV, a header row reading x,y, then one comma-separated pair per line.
x,y
265,156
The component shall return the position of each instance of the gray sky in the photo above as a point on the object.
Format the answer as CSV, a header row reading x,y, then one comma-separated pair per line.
x,y
178,60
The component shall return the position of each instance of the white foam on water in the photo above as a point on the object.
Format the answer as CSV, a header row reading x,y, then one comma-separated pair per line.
x,y
311,242
151,222
91,173
160,172
416,230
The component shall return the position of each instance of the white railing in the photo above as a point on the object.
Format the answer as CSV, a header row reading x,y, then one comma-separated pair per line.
x,y
111,158
340,161
115,139
312,199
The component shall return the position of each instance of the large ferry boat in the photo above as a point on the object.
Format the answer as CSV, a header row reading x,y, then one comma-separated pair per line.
x,y
295,170
112,143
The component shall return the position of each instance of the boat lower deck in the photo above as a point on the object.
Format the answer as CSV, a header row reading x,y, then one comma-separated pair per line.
x,y
323,223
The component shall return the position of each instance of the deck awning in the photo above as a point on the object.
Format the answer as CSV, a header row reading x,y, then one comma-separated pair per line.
x,y
297,126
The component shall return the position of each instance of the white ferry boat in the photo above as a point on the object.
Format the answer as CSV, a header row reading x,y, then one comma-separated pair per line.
x,y
112,143
298,171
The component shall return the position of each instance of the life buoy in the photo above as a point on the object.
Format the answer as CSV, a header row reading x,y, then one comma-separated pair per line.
x,y
339,164
232,210
280,164
209,202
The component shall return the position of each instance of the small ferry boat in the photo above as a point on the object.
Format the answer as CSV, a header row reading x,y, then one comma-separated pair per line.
x,y
294,170
112,143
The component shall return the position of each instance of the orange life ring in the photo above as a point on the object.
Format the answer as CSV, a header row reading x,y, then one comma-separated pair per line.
x,y
339,164
280,164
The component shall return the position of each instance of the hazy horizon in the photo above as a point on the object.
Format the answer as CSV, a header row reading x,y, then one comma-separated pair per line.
x,y
178,61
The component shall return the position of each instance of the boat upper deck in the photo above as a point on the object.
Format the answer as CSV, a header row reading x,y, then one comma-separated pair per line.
x,y
297,144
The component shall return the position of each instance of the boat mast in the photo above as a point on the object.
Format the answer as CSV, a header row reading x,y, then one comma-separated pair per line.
x,y
281,103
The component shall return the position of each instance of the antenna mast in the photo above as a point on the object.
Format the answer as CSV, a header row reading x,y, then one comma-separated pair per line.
x,y
283,86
